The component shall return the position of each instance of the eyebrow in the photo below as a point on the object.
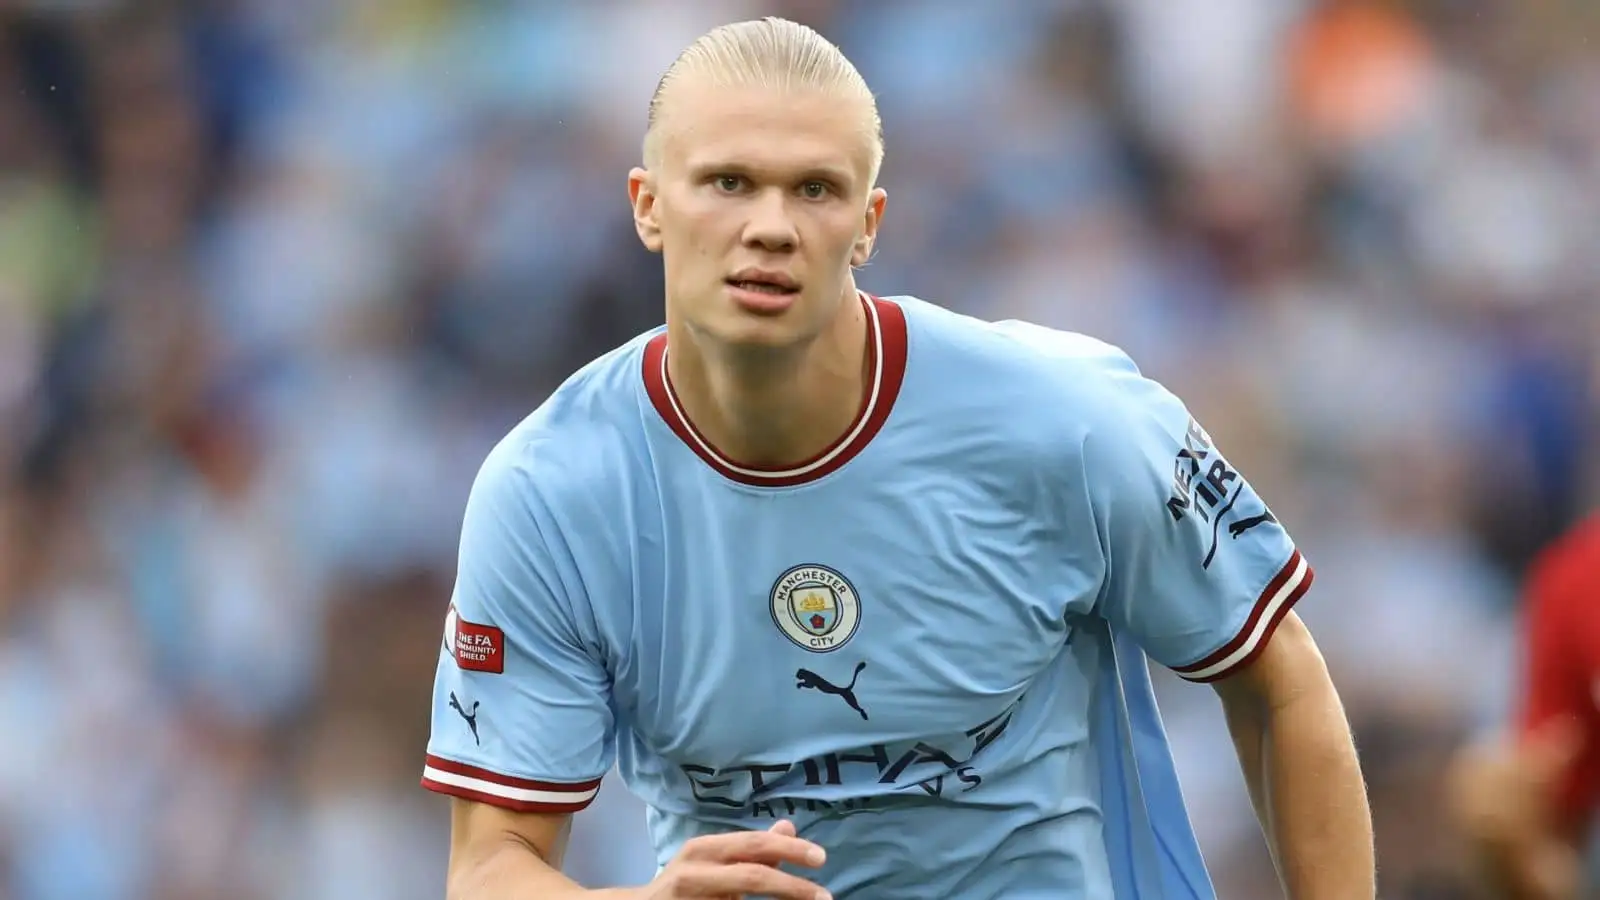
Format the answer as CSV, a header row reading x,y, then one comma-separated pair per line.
x,y
828,173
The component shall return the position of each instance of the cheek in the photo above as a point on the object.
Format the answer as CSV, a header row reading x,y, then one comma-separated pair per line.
x,y
843,230
698,229
694,251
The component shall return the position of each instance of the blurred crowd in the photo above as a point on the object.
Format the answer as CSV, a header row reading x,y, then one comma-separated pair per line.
x,y
275,274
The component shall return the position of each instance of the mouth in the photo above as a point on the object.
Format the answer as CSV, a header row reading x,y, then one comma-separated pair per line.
x,y
777,286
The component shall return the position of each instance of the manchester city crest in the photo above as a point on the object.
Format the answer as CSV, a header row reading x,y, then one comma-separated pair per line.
x,y
815,607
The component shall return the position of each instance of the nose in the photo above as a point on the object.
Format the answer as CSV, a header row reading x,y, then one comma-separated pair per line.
x,y
770,228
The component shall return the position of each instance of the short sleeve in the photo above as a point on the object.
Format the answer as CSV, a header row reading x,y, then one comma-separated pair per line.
x,y
1198,569
521,712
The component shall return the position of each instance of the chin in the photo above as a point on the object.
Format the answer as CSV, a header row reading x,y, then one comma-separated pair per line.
x,y
740,329
735,318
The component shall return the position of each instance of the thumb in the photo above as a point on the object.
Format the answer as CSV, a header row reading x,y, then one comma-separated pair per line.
x,y
783,827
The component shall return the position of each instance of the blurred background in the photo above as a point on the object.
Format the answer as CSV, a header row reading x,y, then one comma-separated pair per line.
x,y
275,274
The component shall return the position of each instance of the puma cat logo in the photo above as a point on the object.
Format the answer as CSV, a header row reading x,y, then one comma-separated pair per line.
x,y
809,680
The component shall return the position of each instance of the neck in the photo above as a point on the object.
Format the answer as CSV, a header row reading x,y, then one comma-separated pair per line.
x,y
772,408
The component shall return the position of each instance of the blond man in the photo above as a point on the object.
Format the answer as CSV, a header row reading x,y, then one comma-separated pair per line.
x,y
857,593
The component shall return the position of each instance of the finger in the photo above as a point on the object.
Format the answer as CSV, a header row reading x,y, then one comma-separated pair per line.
x,y
764,847
742,879
783,827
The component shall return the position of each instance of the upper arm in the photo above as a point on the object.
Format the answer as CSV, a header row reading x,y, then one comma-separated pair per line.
x,y
521,712
1286,668
478,830
1198,569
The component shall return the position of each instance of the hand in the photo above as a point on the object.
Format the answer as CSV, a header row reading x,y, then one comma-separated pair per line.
x,y
724,866
1507,790
1504,800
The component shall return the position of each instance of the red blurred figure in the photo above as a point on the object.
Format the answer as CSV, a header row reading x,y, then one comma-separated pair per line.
x,y
1527,802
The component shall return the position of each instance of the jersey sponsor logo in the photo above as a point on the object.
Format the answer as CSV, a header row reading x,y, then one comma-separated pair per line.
x,y
1206,487
815,607
935,767
805,679
475,648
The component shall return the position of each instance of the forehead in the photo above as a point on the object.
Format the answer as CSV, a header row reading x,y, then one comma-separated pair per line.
x,y
765,128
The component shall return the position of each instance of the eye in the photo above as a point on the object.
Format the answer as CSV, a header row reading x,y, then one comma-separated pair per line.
x,y
815,190
729,184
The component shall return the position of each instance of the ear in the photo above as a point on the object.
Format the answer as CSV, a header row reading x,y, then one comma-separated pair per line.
x,y
642,196
876,201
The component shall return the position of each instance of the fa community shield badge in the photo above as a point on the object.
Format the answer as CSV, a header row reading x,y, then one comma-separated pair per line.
x,y
815,607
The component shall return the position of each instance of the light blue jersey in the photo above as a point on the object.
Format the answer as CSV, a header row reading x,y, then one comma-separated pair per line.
x,y
926,647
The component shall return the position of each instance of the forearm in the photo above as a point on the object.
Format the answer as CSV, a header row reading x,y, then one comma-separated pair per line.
x,y
1305,780
514,871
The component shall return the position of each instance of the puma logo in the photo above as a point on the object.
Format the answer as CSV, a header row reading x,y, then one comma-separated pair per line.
x,y
809,680
470,718
1240,527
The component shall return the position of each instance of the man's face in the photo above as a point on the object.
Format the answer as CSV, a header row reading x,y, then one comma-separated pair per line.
x,y
759,203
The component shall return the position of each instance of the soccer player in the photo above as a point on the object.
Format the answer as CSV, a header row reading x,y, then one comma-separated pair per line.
x,y
1527,803
858,592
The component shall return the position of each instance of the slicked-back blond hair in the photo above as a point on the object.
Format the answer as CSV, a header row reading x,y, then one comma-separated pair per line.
x,y
769,52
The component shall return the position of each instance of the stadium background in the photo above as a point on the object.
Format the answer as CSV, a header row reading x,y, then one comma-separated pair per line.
x,y
274,274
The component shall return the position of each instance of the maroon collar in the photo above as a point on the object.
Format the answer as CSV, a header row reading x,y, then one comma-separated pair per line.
x,y
886,349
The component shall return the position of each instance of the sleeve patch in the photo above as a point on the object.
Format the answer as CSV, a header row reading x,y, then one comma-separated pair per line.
x,y
475,648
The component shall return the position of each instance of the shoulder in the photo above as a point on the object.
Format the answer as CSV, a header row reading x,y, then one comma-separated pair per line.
x,y
1021,348
1566,573
1572,554
1061,380
579,437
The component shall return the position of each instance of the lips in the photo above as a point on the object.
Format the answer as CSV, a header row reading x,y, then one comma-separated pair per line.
x,y
775,283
